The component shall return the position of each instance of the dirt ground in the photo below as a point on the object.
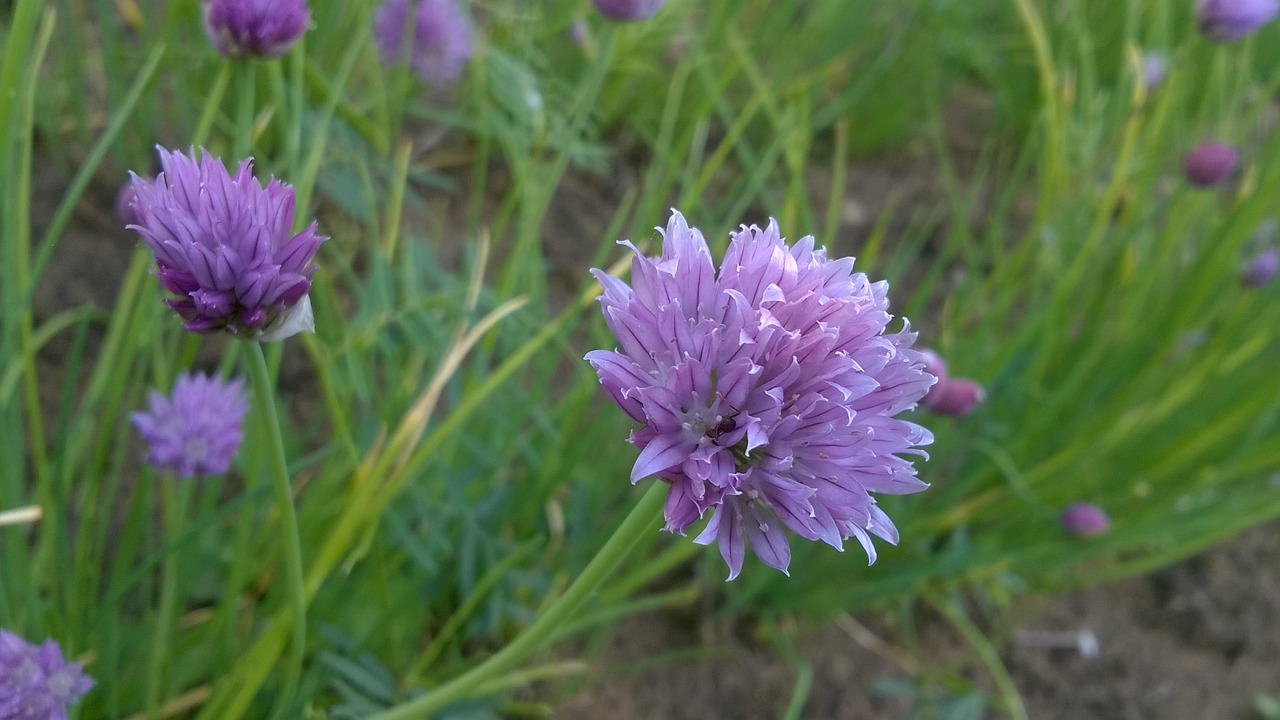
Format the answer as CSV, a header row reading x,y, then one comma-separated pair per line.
x,y
1195,641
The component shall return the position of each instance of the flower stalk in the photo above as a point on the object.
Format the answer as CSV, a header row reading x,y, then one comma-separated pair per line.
x,y
264,396
641,520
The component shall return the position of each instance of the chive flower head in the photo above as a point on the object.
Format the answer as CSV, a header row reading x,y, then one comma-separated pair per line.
x,y
1229,20
255,28
435,40
36,681
196,430
765,390
224,246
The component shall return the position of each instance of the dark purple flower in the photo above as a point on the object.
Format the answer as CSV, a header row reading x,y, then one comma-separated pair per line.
x,y
953,396
36,681
1082,519
1227,20
255,28
223,245
1261,268
436,41
196,430
628,9
766,391
1211,163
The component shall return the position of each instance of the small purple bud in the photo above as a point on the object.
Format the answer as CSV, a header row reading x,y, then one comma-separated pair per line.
x,y
255,28
628,9
1259,270
578,32
1082,519
1155,65
934,364
956,397
1227,20
1211,163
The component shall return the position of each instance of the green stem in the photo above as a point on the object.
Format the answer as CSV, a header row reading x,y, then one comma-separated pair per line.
x,y
176,502
265,397
985,651
624,538
246,84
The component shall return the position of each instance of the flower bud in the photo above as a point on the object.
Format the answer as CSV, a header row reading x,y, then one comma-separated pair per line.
x,y
1211,163
956,397
1083,519
628,9
1259,270
1227,20
1155,65
255,28
934,364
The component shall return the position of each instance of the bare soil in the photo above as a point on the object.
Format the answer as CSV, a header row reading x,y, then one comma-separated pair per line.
x,y
1193,641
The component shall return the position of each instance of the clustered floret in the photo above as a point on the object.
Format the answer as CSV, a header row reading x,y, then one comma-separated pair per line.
x,y
197,429
766,391
36,681
224,245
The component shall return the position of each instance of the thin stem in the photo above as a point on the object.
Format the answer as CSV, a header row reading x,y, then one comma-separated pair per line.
x,y
985,651
246,71
640,520
265,397
176,502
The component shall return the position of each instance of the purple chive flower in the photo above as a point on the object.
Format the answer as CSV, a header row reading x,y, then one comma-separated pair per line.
x,y
1082,519
953,396
255,28
223,245
1261,268
436,41
766,391
1210,163
628,9
36,681
196,430
1227,20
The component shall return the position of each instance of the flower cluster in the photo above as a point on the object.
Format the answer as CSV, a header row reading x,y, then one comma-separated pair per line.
x,y
766,391
435,41
36,681
223,244
255,28
197,430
